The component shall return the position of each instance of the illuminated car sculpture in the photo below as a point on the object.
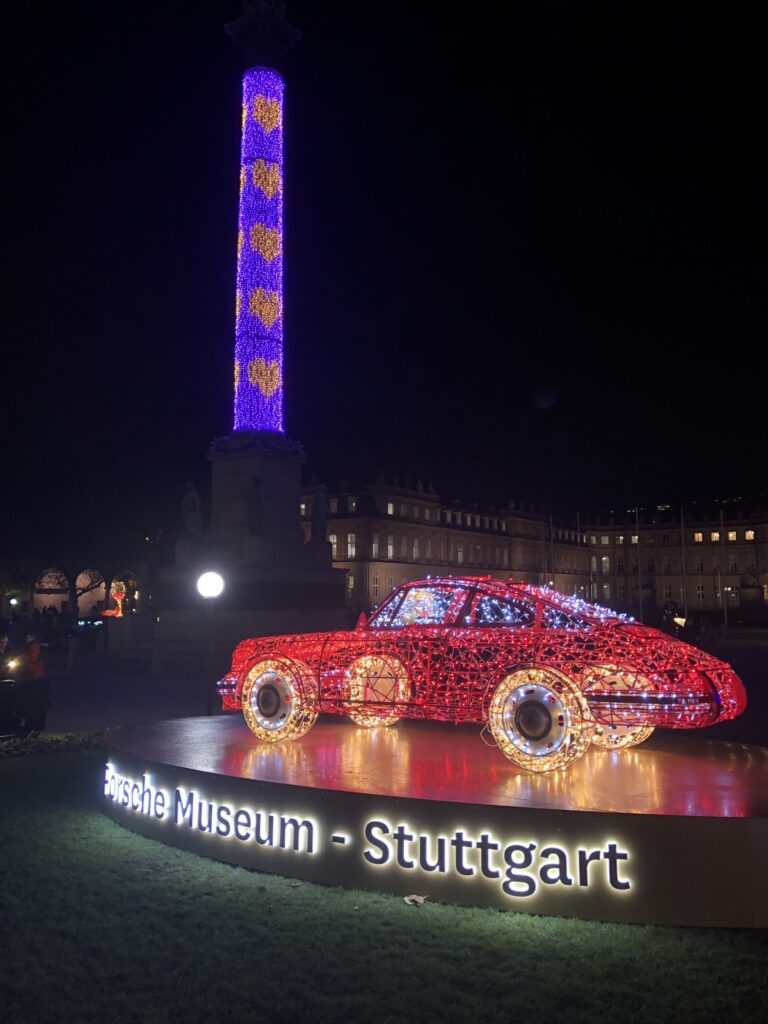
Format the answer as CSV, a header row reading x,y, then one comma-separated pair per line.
x,y
546,674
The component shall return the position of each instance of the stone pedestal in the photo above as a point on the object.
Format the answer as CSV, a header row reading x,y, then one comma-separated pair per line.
x,y
274,582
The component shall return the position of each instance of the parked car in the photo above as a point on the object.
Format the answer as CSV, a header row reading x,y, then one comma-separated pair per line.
x,y
545,673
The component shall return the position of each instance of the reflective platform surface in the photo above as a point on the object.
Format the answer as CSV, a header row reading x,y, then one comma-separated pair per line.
x,y
673,773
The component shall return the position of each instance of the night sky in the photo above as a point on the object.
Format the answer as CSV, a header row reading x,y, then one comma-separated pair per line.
x,y
525,253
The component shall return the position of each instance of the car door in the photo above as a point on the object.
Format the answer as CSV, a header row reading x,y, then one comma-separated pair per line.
x,y
496,632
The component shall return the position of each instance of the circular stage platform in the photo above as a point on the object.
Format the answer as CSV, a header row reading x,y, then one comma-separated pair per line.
x,y
672,832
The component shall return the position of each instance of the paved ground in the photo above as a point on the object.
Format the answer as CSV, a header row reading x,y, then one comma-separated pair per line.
x,y
116,692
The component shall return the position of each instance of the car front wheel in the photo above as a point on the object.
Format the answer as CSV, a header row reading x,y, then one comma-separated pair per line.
x,y
540,719
279,699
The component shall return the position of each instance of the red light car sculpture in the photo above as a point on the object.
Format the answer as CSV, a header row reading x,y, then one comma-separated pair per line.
x,y
546,674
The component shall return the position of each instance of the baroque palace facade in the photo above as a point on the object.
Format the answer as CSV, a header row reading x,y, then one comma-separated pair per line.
x,y
384,534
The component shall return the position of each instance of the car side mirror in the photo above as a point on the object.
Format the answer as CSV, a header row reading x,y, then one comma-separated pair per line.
x,y
362,621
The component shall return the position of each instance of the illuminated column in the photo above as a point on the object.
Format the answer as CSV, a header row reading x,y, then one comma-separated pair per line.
x,y
259,305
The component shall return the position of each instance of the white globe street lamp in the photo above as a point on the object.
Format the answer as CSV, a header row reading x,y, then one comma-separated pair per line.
x,y
210,584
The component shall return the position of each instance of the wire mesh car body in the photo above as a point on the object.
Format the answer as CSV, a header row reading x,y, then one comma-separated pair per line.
x,y
547,674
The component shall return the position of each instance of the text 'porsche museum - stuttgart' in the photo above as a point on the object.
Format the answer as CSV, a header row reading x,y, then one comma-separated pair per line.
x,y
546,674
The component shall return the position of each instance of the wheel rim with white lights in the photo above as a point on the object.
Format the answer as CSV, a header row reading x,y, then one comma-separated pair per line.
x,y
371,686
540,719
620,737
277,700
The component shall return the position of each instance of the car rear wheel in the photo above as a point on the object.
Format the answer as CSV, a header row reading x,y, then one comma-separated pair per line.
x,y
279,699
540,719
620,737
372,685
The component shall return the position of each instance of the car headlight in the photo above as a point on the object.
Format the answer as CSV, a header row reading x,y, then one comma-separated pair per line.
x,y
13,663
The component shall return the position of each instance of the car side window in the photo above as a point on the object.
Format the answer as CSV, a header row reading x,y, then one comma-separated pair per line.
x,y
502,611
422,606
556,618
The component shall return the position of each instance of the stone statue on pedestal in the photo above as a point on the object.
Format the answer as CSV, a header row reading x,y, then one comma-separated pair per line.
x,y
192,512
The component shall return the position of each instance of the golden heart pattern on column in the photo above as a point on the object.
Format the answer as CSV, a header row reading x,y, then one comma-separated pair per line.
x,y
265,241
266,176
265,305
267,113
265,375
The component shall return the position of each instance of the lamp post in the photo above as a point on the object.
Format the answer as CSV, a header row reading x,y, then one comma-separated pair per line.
x,y
210,585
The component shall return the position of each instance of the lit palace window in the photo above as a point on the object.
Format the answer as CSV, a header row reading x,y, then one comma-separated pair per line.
x,y
351,581
593,539
633,539
334,545
351,544
390,546
606,591
375,546
375,586
302,508
731,535
605,539
352,504
605,564
714,536
620,538
593,564
415,549
698,537
749,535
390,508
460,554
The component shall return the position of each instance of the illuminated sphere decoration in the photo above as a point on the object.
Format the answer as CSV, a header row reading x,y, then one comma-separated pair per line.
x,y
259,302
210,584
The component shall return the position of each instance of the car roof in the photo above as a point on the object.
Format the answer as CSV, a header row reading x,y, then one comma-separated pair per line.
x,y
572,604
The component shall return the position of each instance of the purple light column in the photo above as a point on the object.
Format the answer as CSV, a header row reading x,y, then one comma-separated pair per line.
x,y
259,307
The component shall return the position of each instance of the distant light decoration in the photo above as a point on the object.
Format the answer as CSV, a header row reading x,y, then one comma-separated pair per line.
x,y
259,296
117,592
549,674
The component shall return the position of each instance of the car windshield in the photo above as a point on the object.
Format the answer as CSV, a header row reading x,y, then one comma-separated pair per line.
x,y
422,606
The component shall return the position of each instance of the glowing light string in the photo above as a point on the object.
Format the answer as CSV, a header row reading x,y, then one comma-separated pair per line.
x,y
259,299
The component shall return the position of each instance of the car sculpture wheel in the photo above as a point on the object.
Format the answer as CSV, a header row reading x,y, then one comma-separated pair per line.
x,y
277,700
374,685
618,736
547,674
540,719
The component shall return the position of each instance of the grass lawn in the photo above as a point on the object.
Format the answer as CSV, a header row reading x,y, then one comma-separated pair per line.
x,y
103,925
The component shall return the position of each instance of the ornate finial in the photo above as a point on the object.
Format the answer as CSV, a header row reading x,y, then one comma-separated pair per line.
x,y
263,33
